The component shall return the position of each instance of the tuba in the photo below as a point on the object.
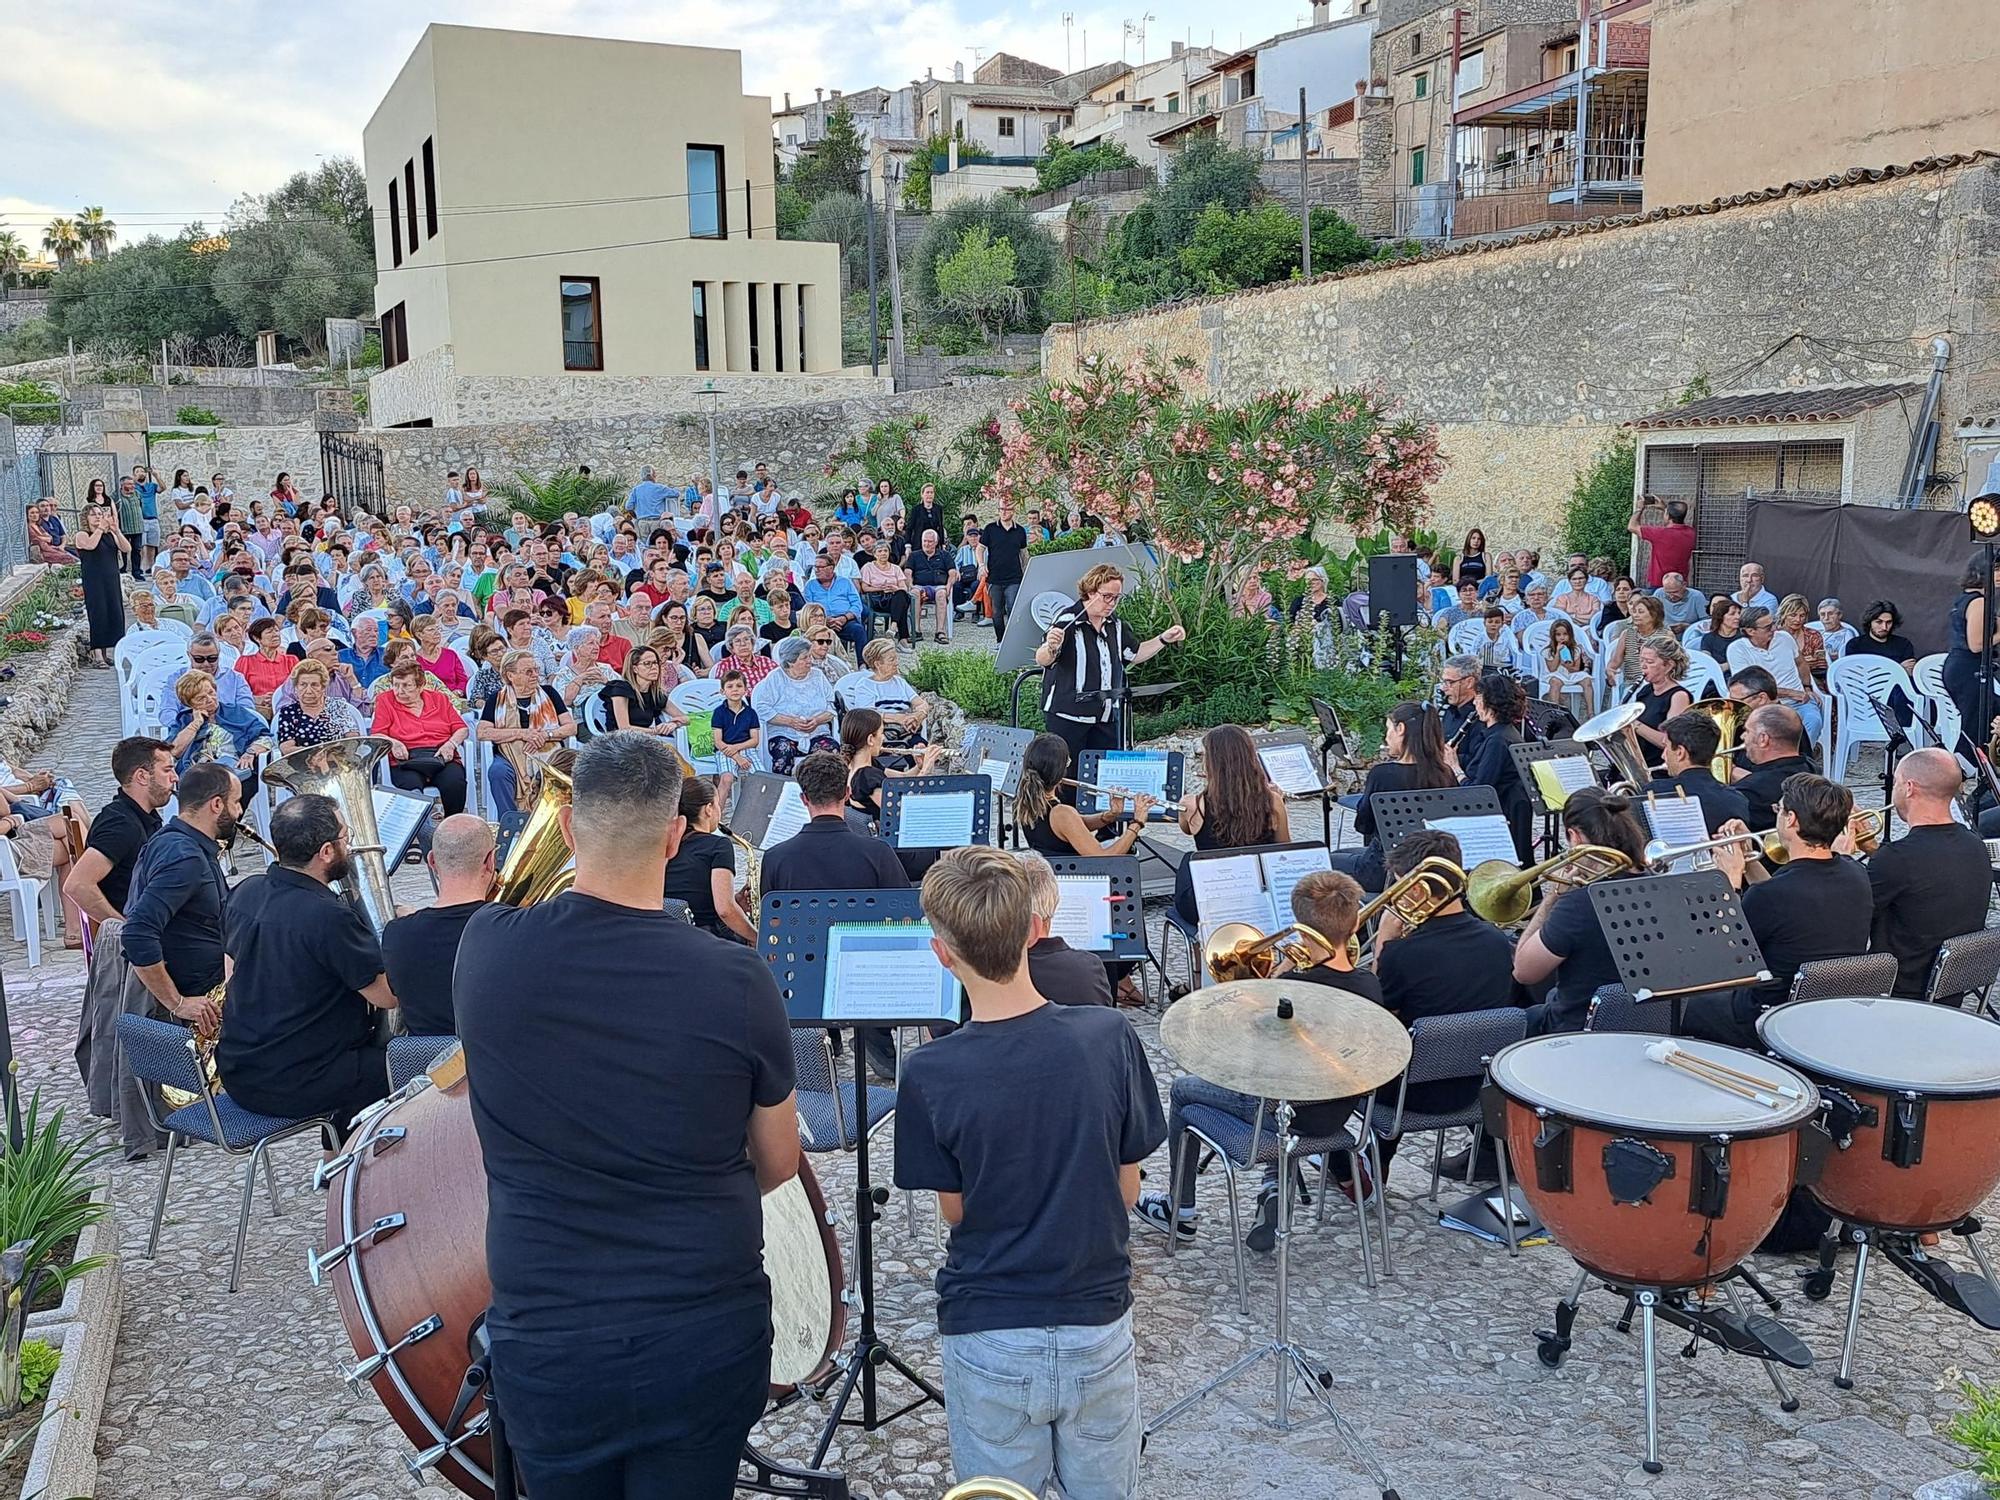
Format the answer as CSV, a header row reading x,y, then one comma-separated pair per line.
x,y
1610,732
1727,715
539,863
345,771
1501,894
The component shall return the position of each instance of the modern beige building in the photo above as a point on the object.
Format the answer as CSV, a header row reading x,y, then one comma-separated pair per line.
x,y
573,227
1748,94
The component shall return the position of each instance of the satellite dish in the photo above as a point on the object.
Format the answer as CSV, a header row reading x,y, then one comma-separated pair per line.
x,y
1047,607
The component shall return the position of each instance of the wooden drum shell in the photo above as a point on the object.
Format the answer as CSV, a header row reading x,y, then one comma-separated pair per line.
x,y
1653,1242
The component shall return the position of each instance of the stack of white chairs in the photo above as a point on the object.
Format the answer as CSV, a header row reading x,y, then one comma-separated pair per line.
x,y
1851,682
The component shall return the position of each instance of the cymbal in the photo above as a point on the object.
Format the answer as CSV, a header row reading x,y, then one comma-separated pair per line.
x,y
1335,1044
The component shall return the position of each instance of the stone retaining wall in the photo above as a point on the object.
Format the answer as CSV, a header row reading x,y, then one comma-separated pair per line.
x,y
251,456
236,405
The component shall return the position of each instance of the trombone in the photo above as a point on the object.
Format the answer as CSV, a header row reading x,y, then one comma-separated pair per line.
x,y
1499,893
1237,950
1431,885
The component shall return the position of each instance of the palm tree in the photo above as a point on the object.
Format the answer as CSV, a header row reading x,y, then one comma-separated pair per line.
x,y
62,240
13,254
100,231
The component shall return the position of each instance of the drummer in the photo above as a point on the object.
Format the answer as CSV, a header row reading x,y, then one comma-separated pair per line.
x,y
1563,941
1817,905
1329,903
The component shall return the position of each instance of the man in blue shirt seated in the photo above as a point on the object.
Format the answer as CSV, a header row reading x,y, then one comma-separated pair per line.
x,y
365,655
841,600
648,500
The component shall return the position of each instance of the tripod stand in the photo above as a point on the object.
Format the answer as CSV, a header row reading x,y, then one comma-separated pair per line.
x,y
871,1350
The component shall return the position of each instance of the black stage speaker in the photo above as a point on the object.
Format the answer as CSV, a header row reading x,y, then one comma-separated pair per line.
x,y
1392,589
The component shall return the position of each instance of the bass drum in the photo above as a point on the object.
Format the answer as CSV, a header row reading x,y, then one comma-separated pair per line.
x,y
407,1201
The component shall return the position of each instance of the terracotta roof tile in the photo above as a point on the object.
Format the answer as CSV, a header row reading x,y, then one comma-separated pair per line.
x,y
1827,403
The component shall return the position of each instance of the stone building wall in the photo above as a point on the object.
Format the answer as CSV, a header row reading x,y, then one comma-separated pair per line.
x,y
22,306
795,440
1530,354
252,457
236,405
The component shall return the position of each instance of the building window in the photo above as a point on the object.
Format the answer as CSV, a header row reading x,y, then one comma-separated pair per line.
x,y
1423,85
1471,73
1007,125
430,191
701,325
805,292
708,207
395,337
778,327
1173,104
395,225
410,200
1416,166
1119,98
1416,44
756,332
582,328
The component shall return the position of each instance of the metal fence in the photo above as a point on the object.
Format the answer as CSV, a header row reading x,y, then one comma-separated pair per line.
x,y
351,470
64,477
14,500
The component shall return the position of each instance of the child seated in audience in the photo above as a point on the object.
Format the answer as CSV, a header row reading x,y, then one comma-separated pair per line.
x,y
737,730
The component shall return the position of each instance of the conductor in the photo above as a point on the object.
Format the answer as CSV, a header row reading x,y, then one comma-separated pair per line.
x,y
1085,655
629,1127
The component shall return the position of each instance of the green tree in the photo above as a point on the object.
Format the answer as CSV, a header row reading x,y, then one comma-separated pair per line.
x,y
1231,250
842,219
1336,242
1061,163
334,192
1600,503
292,274
1035,255
835,162
976,282
917,186
62,240
13,254
792,211
97,230
140,294
1207,171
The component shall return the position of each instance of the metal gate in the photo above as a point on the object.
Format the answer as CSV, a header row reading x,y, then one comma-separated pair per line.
x,y
351,471
65,478
1719,481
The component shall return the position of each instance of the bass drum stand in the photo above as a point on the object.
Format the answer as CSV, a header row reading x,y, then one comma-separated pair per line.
x,y
1975,1295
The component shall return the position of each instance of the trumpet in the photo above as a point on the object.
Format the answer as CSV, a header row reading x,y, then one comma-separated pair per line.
x,y
1425,891
1502,895
1870,828
1768,845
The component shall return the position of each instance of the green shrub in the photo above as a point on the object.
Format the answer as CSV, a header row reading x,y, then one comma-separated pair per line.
x,y
1977,1430
34,339
969,679
1080,540
38,1370
370,357
29,402
45,1192
550,499
197,416
1600,504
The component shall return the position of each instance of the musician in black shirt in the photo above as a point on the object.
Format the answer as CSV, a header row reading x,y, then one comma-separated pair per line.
x,y
421,949
1818,905
1564,941
101,878
1771,739
1502,705
1460,722
1413,759
1061,974
1692,740
1934,882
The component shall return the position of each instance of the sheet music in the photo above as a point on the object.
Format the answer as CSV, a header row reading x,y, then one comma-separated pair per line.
x,y
1555,779
934,820
1133,772
787,818
397,819
887,973
1285,868
1231,889
994,771
1677,820
1479,838
1083,919
1290,768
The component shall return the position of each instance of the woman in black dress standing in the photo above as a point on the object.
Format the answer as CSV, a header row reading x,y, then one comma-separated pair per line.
x,y
1413,747
1971,637
1501,706
100,548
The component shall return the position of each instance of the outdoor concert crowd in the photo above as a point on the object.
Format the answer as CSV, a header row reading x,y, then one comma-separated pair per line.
x,y
745,634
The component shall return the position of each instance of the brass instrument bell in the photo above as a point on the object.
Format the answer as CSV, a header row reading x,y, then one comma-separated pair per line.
x,y
1502,894
1610,732
539,863
1236,950
1429,887
1727,715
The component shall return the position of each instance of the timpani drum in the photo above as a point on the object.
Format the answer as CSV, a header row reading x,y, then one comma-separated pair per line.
x,y
406,1253
1649,1176
1913,1105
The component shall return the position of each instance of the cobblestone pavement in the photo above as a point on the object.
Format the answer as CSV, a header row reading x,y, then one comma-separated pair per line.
x,y
220,1395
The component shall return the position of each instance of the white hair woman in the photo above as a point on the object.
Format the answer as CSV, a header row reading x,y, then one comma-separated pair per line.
x,y
795,706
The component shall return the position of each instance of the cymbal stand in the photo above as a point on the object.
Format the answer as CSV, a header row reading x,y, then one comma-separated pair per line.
x,y
1293,1361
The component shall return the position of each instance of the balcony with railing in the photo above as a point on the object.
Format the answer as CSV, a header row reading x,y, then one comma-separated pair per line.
x,y
1519,166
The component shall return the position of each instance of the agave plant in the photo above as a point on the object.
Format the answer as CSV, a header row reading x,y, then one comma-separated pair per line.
x,y
552,498
45,1192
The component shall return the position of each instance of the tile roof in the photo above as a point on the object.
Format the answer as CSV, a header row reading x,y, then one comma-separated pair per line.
x,y
1019,99
1825,403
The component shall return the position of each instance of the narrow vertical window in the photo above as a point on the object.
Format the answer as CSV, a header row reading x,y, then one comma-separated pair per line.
x,y
756,336
582,328
430,190
708,211
778,326
806,291
700,325
395,225
410,201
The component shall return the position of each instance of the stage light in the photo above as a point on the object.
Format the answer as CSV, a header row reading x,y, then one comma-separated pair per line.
x,y
1984,514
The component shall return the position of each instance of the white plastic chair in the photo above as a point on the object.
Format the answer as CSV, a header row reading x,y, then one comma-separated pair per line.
x,y
179,629
31,915
699,699
1466,637
1704,678
1851,682
1692,636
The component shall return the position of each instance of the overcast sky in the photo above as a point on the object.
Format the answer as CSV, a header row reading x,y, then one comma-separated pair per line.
x,y
164,111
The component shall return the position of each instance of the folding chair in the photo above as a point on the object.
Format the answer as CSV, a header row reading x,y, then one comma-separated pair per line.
x,y
1442,1048
411,1055
1837,978
1612,1008
1965,965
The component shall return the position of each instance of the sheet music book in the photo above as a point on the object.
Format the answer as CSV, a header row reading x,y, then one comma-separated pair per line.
x,y
1285,868
1232,889
1556,778
1676,821
398,816
1083,917
1134,772
886,972
1479,838
1291,769
934,820
787,818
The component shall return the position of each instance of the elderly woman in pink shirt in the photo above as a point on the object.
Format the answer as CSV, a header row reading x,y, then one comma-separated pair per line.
x,y
886,588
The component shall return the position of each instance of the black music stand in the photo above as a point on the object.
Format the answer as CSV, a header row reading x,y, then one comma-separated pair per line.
x,y
757,798
400,817
1004,745
1322,793
1400,814
1149,691
1525,755
1677,935
897,789
793,936
1089,766
1128,919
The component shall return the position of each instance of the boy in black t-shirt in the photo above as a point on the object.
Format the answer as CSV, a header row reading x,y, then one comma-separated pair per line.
x,y
1029,1123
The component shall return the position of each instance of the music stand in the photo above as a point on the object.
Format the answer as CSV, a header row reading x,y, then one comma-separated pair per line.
x,y
1089,767
1525,755
1149,690
1273,739
399,819
794,932
1677,935
897,789
1128,924
757,797
1002,746
1899,737
1400,814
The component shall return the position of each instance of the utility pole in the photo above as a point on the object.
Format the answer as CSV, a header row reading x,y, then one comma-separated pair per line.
x,y
1451,126
1305,197
874,302
892,182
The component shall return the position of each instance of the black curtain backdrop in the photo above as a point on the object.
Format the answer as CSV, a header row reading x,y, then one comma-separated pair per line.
x,y
1855,553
